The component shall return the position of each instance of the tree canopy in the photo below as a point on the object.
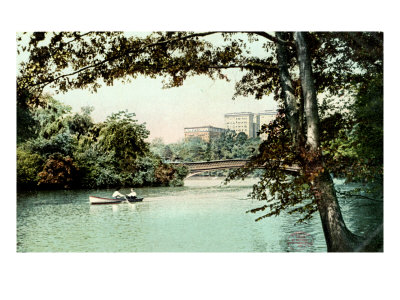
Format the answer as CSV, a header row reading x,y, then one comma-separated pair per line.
x,y
69,60
66,150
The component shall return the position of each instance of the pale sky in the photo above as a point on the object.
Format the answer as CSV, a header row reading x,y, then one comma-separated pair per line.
x,y
200,101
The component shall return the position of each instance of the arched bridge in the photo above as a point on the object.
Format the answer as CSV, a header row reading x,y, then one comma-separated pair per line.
x,y
204,166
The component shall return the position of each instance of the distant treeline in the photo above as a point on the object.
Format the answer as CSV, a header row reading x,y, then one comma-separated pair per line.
x,y
229,145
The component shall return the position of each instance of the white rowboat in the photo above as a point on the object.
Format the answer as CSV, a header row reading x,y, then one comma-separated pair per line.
x,y
100,200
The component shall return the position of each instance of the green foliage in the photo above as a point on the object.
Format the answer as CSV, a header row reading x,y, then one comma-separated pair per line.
x,y
228,145
368,113
353,142
167,153
28,111
70,60
62,142
70,150
150,171
53,134
122,135
97,169
222,146
179,175
157,147
143,173
80,124
28,167
195,149
279,188
26,125
231,145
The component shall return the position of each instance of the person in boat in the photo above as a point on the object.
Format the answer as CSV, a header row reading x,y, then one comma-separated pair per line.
x,y
131,195
118,195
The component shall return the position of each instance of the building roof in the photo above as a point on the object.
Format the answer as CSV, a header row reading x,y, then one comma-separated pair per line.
x,y
239,114
268,113
208,126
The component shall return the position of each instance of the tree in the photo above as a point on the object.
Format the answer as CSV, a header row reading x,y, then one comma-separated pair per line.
x,y
125,138
52,132
241,138
81,123
337,236
157,147
295,67
357,141
221,147
167,153
28,167
97,168
26,125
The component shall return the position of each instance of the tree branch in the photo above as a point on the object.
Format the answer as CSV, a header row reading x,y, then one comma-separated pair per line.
x,y
125,53
272,38
78,37
182,38
359,196
159,43
267,35
249,66
288,93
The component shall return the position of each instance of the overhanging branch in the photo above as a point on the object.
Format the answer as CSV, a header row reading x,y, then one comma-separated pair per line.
x,y
272,38
159,43
201,34
346,194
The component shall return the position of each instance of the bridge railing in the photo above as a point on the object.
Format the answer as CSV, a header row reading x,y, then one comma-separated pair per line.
x,y
225,164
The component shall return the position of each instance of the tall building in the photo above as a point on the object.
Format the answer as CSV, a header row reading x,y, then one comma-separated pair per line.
x,y
241,122
206,133
247,122
265,118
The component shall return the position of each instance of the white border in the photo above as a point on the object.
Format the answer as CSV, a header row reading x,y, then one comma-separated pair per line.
x,y
198,276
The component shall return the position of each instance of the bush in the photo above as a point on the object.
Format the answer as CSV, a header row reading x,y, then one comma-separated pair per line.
x,y
97,169
58,172
28,167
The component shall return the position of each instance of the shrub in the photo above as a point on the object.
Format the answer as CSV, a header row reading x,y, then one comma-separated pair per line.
x,y
59,172
28,167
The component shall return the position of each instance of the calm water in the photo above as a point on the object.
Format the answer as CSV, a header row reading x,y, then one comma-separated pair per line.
x,y
203,216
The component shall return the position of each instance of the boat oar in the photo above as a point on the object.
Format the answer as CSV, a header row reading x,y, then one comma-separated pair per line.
x,y
131,204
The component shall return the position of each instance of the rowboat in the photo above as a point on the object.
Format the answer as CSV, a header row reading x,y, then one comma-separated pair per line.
x,y
101,200
134,199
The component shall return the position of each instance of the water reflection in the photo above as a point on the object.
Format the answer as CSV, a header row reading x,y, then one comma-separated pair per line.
x,y
203,216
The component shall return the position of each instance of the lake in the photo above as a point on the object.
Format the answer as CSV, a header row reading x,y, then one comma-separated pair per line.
x,y
202,216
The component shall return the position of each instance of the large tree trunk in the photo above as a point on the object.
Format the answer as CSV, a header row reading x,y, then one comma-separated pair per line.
x,y
337,236
289,98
